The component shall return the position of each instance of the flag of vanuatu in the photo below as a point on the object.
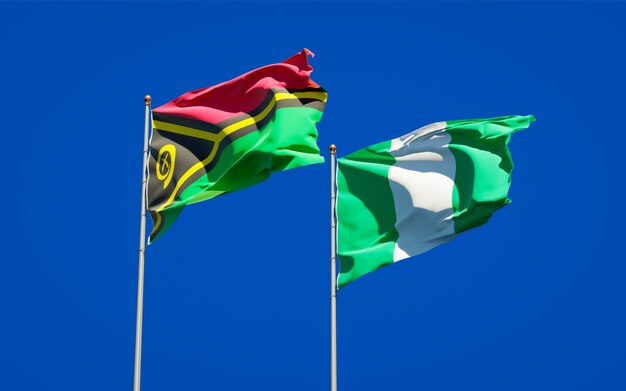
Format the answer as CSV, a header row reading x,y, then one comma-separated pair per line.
x,y
232,135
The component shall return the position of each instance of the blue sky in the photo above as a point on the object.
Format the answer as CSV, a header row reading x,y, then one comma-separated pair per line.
x,y
236,294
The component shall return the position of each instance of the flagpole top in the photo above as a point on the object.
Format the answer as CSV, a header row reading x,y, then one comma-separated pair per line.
x,y
333,149
147,99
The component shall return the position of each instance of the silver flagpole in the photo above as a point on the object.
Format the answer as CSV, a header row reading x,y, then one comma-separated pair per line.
x,y
142,249
333,273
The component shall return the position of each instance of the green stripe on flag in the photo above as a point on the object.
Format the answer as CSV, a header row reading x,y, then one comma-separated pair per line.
x,y
258,154
483,167
369,201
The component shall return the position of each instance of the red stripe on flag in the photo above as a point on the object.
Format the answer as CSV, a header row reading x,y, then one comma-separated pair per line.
x,y
244,93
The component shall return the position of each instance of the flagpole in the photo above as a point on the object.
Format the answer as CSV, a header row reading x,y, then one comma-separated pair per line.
x,y
142,249
333,273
